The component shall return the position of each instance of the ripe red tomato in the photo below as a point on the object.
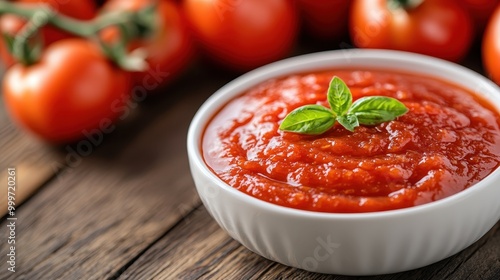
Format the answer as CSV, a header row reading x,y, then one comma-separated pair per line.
x,y
170,48
491,47
73,89
11,24
325,20
243,34
480,10
440,28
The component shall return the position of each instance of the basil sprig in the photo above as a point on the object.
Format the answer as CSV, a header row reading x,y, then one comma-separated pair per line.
x,y
317,119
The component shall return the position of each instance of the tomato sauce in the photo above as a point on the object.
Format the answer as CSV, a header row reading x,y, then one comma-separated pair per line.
x,y
448,141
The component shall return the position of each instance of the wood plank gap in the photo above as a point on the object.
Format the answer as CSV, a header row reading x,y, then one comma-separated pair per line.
x,y
135,258
37,190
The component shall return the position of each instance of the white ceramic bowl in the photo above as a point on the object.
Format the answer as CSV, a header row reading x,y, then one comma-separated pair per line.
x,y
349,244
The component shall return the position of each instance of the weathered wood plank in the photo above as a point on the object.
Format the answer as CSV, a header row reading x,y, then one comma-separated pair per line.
x,y
198,249
109,206
28,155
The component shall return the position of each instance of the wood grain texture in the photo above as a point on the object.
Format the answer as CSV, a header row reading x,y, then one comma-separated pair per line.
x,y
106,208
34,161
198,249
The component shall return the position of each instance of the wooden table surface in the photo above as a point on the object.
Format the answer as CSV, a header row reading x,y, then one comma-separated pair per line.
x,y
127,207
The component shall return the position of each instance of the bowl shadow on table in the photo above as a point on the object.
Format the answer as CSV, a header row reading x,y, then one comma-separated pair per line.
x,y
471,263
221,255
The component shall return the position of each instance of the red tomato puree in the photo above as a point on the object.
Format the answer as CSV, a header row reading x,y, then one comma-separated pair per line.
x,y
448,141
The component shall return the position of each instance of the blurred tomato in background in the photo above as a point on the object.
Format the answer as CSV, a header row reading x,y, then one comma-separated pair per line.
x,y
480,11
440,28
11,24
238,35
243,34
491,47
169,48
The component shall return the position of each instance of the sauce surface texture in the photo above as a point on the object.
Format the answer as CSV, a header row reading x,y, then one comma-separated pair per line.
x,y
448,141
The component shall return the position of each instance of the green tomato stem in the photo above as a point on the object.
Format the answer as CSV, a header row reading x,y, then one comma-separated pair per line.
x,y
130,24
404,4
74,26
21,50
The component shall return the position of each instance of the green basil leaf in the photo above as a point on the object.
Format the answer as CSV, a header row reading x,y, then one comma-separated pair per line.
x,y
349,121
339,97
309,119
373,110
316,119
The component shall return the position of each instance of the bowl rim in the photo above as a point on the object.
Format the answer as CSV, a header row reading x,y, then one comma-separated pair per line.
x,y
254,77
